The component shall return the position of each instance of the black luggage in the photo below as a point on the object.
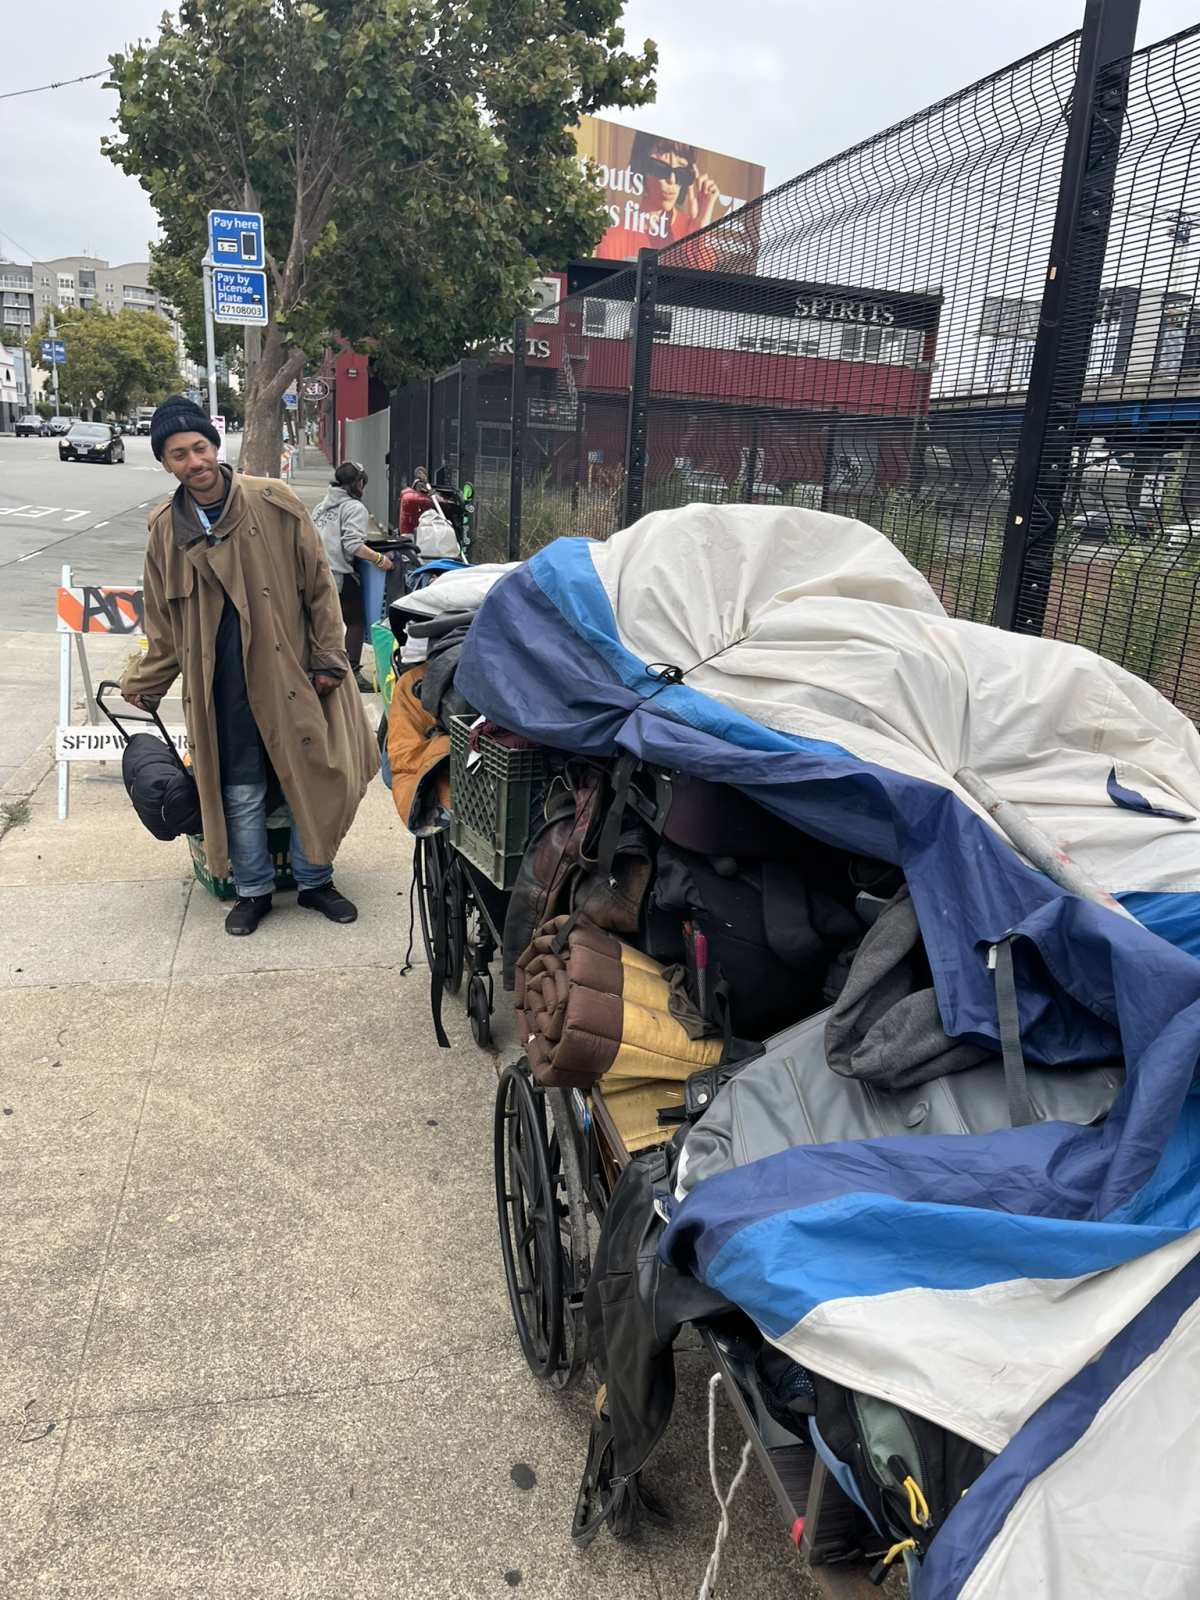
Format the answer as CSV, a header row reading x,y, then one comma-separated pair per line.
x,y
163,791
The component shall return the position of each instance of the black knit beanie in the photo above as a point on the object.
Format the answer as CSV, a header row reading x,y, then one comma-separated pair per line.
x,y
178,414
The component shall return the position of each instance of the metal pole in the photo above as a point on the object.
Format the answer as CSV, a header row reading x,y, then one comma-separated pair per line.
x,y
210,344
54,365
300,419
640,361
251,337
64,703
1074,274
516,459
1033,844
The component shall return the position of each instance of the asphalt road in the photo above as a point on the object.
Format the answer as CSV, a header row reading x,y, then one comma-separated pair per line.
x,y
88,516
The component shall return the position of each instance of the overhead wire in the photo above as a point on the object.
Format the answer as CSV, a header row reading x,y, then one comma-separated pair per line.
x,y
41,88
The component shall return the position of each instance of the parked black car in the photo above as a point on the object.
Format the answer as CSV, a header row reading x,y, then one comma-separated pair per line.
x,y
1112,523
31,426
92,441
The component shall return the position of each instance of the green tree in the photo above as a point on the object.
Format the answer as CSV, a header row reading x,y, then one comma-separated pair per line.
x,y
413,160
231,403
178,280
114,361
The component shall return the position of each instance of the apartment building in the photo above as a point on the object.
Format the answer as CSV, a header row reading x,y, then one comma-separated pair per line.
x,y
16,302
88,282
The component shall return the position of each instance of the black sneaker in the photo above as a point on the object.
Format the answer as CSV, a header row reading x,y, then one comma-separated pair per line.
x,y
365,685
247,914
329,902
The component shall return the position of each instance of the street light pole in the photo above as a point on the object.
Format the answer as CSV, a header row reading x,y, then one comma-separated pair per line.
x,y
54,362
210,343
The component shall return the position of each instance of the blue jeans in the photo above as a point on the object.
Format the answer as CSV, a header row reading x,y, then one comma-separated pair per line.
x,y
246,826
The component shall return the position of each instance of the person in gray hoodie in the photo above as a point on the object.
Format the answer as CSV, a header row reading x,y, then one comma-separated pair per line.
x,y
342,522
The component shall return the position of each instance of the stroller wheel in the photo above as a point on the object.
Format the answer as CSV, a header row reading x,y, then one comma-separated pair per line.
x,y
479,1009
527,1209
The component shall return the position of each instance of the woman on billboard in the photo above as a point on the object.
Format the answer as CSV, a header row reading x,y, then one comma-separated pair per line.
x,y
675,201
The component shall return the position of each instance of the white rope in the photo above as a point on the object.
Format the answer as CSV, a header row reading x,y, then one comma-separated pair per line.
x,y
709,1587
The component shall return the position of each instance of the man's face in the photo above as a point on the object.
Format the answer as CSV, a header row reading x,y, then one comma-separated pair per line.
x,y
193,460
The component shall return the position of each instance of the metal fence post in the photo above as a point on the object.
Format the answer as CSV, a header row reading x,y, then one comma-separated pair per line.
x,y
468,413
641,358
1068,311
516,459
395,468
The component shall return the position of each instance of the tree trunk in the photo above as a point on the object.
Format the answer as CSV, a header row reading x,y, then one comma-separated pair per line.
x,y
266,384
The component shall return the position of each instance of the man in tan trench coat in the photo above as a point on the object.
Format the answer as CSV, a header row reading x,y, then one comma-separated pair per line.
x,y
240,602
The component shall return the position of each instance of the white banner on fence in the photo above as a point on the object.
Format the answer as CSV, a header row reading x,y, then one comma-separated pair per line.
x,y
101,744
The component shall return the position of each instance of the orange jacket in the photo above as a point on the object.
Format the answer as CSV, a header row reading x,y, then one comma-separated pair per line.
x,y
419,755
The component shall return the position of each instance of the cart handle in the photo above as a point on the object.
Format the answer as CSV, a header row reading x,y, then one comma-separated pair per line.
x,y
116,718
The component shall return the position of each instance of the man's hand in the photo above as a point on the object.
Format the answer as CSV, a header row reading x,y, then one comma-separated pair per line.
x,y
141,702
323,684
385,563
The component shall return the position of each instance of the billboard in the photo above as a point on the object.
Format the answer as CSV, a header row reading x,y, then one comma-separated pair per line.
x,y
660,190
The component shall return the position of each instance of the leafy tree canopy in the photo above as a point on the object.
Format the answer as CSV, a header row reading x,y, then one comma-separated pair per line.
x,y
413,160
178,279
114,360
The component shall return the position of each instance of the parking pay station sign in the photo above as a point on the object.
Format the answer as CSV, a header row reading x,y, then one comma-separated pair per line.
x,y
235,238
239,297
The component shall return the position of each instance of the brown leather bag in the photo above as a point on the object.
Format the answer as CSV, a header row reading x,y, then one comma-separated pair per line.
x,y
562,871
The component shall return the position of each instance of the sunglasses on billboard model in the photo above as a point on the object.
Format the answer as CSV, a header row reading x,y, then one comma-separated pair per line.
x,y
683,176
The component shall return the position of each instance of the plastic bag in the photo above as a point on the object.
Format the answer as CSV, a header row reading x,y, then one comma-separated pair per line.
x,y
435,534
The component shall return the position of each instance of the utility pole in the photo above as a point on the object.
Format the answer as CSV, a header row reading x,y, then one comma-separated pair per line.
x,y
54,362
210,343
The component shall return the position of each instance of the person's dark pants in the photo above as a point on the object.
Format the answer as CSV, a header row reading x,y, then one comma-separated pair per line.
x,y
353,615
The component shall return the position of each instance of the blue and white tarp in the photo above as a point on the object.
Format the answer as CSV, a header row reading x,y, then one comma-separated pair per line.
x,y
977,1279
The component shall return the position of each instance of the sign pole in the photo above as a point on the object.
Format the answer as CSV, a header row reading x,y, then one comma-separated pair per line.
x,y
251,337
54,375
64,702
210,343
300,419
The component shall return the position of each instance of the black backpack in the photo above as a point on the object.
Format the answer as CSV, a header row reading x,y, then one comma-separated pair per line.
x,y
758,938
908,1474
162,789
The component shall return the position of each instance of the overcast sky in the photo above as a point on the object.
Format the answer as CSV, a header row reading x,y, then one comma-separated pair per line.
x,y
781,82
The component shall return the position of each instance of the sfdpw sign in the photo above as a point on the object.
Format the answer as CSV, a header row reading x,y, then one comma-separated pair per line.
x,y
103,744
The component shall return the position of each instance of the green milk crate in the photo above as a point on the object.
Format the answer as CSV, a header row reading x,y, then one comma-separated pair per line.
x,y
493,802
279,844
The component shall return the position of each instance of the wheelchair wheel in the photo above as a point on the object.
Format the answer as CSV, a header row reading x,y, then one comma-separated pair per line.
x,y
454,905
527,1208
574,1242
429,868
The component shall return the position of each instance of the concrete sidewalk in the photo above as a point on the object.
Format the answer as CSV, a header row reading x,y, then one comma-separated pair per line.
x,y
256,1338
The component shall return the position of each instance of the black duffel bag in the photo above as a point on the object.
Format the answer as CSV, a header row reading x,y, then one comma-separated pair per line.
x,y
163,790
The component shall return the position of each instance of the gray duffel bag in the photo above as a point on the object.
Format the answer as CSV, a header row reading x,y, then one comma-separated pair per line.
x,y
789,1096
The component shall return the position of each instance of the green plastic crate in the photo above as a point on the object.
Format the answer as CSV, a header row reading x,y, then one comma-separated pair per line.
x,y
279,844
493,802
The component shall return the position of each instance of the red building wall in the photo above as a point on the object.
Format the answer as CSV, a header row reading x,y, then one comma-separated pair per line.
x,y
348,377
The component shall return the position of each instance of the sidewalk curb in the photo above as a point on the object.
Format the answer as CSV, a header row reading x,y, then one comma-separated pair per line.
x,y
31,774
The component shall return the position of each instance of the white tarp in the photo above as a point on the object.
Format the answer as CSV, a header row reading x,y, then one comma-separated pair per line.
x,y
859,652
